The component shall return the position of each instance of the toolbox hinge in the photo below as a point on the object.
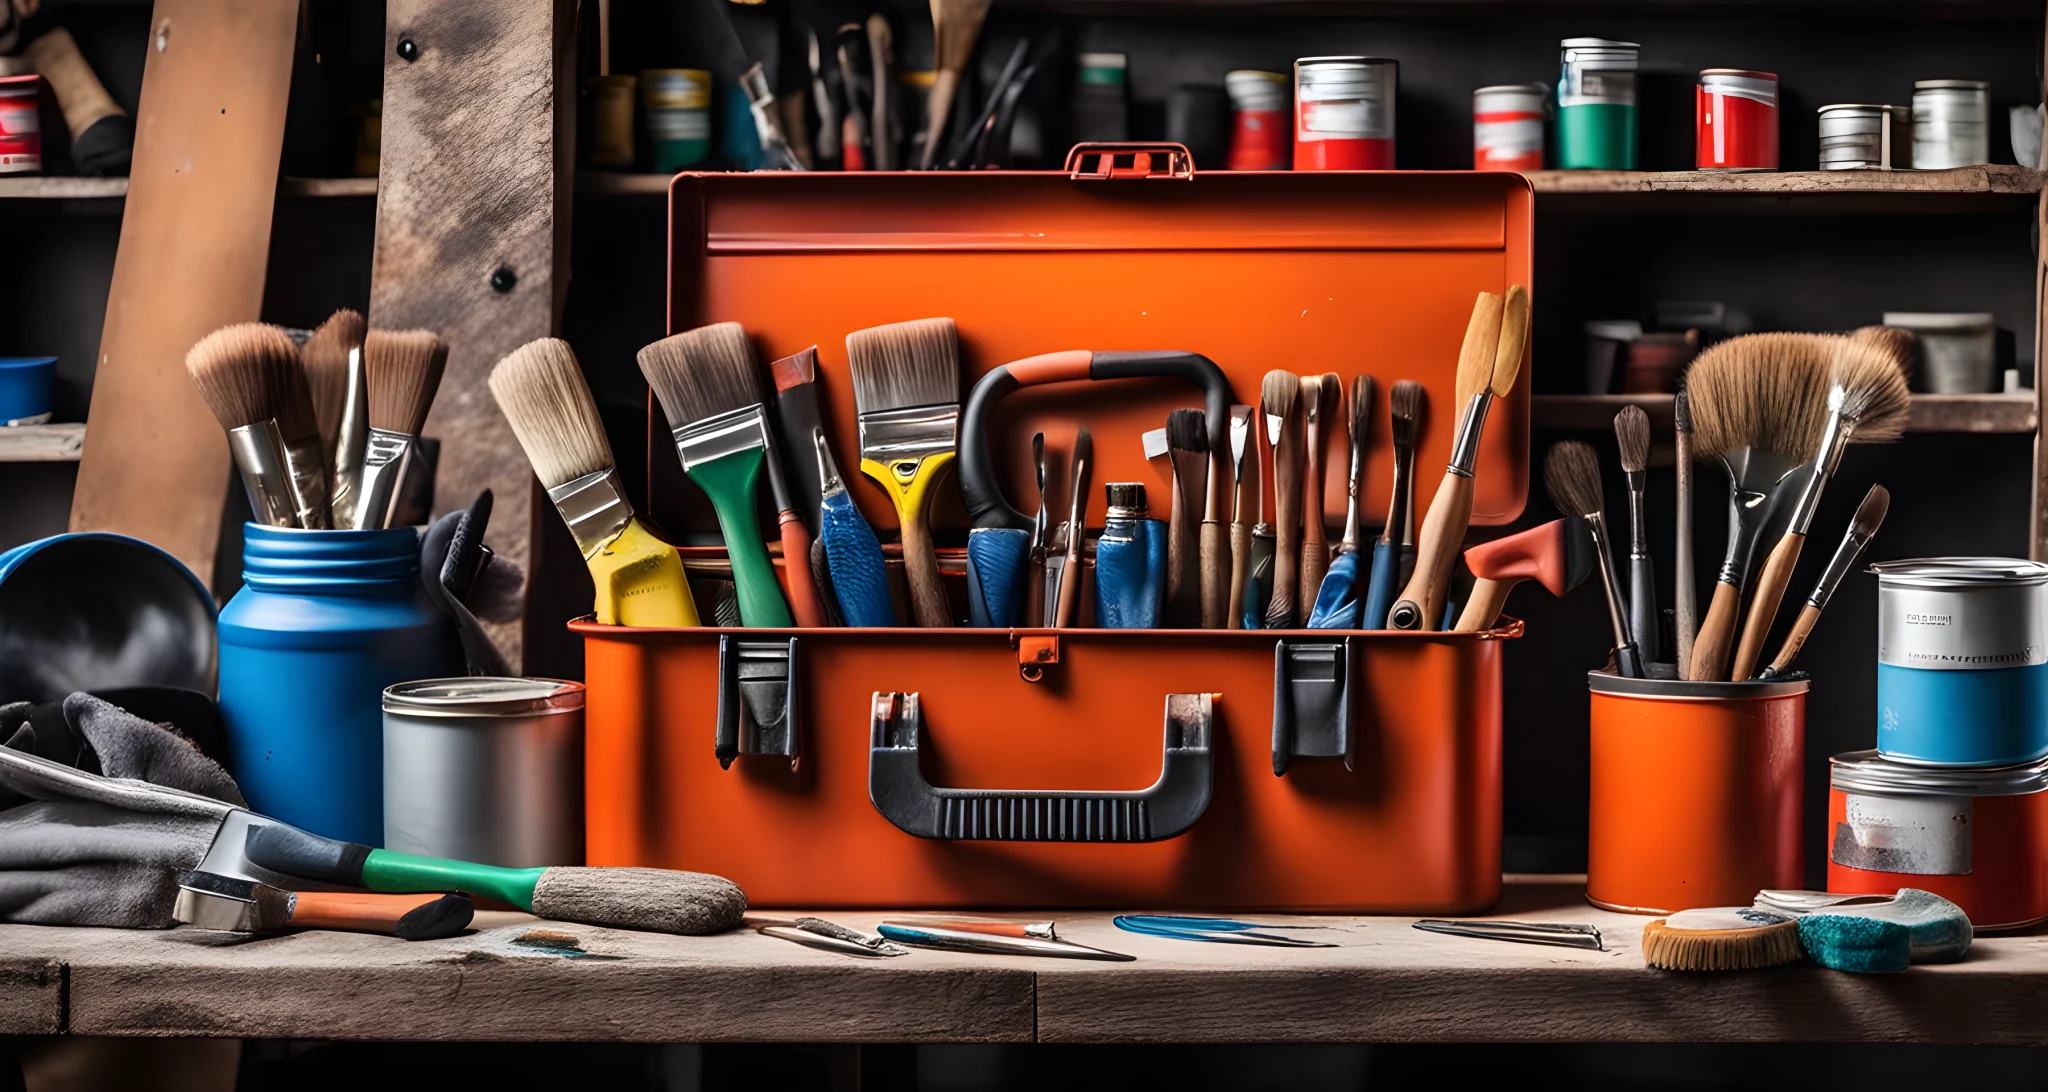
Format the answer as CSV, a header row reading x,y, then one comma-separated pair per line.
x,y
757,699
1312,702
1137,159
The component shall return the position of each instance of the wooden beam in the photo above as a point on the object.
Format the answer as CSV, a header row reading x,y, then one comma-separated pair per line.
x,y
31,995
195,241
472,226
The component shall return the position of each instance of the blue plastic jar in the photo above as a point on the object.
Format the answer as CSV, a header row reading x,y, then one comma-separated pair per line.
x,y
1962,667
324,622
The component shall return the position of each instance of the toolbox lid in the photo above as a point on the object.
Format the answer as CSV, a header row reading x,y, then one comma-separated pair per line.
x,y
1873,773
483,696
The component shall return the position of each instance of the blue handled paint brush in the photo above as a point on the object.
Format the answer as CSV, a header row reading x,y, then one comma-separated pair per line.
x,y
1337,605
852,553
1393,556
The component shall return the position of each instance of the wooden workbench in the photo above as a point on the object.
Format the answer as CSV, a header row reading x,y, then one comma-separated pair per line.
x,y
1386,982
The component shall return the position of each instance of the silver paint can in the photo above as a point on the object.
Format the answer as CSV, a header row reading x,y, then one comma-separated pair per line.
x,y
1962,660
1951,123
1865,136
485,769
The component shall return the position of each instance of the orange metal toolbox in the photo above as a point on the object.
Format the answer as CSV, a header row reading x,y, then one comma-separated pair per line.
x,y
1297,770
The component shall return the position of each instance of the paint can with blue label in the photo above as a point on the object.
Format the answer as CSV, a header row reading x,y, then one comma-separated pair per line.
x,y
1962,645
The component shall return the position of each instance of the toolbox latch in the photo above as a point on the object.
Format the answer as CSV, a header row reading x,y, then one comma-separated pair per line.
x,y
1311,702
1140,159
914,806
757,699
1036,652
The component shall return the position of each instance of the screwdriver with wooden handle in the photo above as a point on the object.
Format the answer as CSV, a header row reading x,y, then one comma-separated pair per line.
x,y
1490,360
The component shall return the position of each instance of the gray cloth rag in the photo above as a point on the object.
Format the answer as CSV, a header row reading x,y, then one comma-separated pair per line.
x,y
75,850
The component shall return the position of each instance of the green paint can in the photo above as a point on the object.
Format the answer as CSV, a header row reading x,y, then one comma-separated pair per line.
x,y
677,105
1596,105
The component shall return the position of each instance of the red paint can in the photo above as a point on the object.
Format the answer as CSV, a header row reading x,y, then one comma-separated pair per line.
x,y
1977,836
1258,132
1344,113
1507,127
21,131
1737,120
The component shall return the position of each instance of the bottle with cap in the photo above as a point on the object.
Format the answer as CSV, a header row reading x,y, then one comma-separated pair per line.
x,y
1130,562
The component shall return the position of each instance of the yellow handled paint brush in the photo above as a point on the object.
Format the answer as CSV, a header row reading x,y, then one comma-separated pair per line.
x,y
906,386
639,578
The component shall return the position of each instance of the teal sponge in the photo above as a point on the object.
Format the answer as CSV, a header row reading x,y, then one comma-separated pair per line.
x,y
1863,945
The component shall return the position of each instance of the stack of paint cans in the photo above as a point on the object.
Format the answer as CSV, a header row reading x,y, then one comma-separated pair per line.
x,y
1596,105
1507,127
1865,136
1344,113
1954,800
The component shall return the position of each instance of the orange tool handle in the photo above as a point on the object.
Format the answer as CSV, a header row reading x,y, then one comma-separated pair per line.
x,y
1763,604
355,912
1711,646
1421,605
796,563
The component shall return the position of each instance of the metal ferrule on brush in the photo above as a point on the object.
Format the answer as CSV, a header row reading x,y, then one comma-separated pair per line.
x,y
742,429
1638,518
1824,460
1465,453
350,439
1838,567
761,101
384,459
1603,548
1754,479
308,477
258,450
595,508
910,434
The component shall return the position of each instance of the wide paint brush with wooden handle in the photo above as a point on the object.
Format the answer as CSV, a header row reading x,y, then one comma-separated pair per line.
x,y
1488,365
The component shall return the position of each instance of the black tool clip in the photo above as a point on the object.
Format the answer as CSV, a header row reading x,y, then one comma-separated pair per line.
x,y
1312,702
757,699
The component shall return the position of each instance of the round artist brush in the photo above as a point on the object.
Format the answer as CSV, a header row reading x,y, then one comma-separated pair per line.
x,y
1572,474
1337,600
1322,400
236,369
1869,516
1632,436
1279,397
1394,553
1187,439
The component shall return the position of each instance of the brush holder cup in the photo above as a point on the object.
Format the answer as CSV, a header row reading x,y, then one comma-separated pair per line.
x,y
1696,792
324,622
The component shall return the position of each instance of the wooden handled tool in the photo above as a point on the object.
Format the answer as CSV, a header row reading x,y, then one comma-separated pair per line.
x,y
1241,426
1278,399
1322,400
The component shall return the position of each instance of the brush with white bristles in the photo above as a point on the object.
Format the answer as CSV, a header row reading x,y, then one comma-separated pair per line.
x,y
236,369
1867,402
402,369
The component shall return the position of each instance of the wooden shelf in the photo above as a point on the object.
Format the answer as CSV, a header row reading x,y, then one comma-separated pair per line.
x,y
57,187
622,184
1987,188
42,443
1977,413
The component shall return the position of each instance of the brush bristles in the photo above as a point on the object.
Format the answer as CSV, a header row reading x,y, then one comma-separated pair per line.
x,y
1681,411
1572,474
1278,392
956,25
1632,433
1874,396
905,364
237,370
1680,949
1361,408
1187,430
1901,345
325,356
541,390
1311,388
1333,399
404,371
796,369
1407,403
702,373
296,420
1870,514
1761,391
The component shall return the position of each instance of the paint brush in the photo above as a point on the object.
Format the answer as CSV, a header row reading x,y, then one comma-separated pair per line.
x,y
639,578
882,126
1685,586
1632,436
1187,443
1215,544
706,382
1322,400
403,371
1572,474
1759,406
1557,555
1337,600
326,356
1280,401
956,25
1867,402
1393,555
1258,584
1068,601
1869,516
299,428
235,369
906,386
825,97
853,556
1240,532
805,603
1488,365
797,419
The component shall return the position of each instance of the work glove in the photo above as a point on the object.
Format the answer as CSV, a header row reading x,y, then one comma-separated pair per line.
x,y
68,858
467,581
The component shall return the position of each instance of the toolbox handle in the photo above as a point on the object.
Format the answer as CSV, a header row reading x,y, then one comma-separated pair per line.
x,y
1110,155
900,792
976,468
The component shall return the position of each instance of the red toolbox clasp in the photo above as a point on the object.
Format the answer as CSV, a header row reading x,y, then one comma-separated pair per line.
x,y
1138,159
1034,652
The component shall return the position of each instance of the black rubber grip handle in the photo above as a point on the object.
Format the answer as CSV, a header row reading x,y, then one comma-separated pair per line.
x,y
293,852
976,466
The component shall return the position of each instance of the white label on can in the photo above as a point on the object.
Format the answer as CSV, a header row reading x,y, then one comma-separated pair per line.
x,y
667,124
1508,140
1908,835
1359,119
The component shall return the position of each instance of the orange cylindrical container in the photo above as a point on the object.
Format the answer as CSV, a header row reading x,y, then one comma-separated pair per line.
x,y
1696,792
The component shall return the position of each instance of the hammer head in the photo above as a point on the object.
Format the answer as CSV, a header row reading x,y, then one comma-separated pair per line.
x,y
1557,555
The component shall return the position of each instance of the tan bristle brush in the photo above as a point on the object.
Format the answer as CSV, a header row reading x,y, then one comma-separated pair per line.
x,y
1632,439
1215,560
299,426
1572,475
1187,439
639,578
906,387
1869,516
326,357
1867,403
1759,407
1488,363
956,25
1723,938
236,369
1322,402
1279,398
403,371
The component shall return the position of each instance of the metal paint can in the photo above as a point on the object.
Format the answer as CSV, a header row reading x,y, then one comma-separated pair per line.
x,y
1976,836
1696,791
677,105
1344,113
1962,660
485,769
21,127
1736,120
1507,127
1596,105
1865,136
1258,126
1951,123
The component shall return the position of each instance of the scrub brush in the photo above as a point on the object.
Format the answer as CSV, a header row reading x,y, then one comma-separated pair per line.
x,y
1721,938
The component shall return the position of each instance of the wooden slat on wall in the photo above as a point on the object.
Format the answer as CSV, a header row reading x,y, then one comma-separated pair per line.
x,y
195,239
472,223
